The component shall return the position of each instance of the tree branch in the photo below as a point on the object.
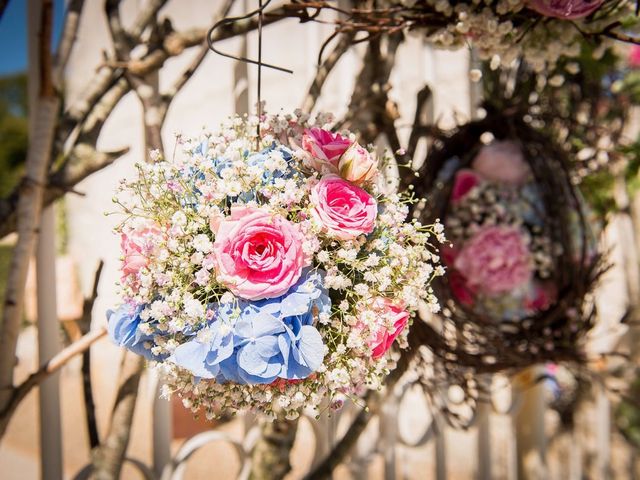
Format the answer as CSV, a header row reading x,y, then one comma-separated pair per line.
x,y
87,390
47,369
182,80
108,458
323,71
68,38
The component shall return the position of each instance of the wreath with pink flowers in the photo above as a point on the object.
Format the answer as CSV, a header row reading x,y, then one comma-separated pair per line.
x,y
521,252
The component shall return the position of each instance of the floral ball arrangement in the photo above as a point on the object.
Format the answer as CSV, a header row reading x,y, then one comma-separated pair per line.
x,y
269,277
522,257
501,31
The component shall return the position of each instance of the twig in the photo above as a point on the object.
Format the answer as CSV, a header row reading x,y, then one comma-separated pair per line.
x,y
85,325
182,80
68,38
47,369
323,71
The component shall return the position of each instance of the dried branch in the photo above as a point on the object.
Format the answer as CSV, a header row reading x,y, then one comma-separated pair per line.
x,y
152,7
109,457
87,390
324,70
68,38
182,80
121,42
45,371
176,42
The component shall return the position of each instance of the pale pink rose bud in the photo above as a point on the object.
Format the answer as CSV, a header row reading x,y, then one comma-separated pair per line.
x,y
324,149
357,165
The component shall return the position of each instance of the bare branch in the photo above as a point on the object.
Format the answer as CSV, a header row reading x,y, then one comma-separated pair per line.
x,y
68,38
109,457
46,370
170,94
87,390
121,43
152,7
323,71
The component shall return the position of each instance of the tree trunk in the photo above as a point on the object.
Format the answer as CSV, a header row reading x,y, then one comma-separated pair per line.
x,y
270,458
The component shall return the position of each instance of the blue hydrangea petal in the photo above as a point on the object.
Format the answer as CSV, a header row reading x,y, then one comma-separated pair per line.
x,y
310,347
191,356
253,357
271,372
229,371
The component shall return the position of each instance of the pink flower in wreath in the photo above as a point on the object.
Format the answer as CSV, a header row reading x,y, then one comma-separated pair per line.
x,y
495,261
464,182
137,247
258,254
541,296
565,9
343,209
392,319
324,148
502,162
633,59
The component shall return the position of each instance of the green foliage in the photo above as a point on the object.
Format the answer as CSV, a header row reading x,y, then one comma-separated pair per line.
x,y
627,415
13,130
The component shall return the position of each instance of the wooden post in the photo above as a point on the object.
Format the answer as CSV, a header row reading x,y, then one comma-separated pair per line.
x,y
48,347
529,425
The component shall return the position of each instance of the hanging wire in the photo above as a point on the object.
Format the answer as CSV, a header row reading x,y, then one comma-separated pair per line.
x,y
230,20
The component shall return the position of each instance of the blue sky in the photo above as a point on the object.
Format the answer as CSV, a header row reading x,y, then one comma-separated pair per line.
x,y
13,34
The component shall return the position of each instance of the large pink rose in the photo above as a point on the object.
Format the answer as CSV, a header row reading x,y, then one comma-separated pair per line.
x,y
325,149
464,182
257,254
342,208
389,313
565,9
137,247
357,165
495,261
502,162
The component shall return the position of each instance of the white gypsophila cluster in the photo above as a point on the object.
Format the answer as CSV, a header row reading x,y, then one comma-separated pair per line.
x,y
502,30
174,206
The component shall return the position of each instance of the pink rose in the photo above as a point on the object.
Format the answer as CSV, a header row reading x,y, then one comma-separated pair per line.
x,y
633,59
257,254
459,288
137,247
502,162
541,296
496,260
565,9
389,313
342,208
357,165
464,182
325,149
